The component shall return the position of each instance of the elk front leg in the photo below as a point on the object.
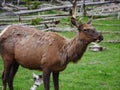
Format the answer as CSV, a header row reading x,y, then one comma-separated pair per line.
x,y
13,71
46,79
6,72
3,82
55,80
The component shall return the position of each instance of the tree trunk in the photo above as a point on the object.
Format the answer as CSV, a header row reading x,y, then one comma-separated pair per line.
x,y
84,9
74,8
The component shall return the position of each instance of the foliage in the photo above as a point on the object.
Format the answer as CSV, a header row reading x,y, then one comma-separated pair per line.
x,y
28,3
65,20
35,21
35,4
32,5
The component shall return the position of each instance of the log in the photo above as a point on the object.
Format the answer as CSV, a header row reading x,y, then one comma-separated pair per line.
x,y
48,29
63,29
112,41
50,22
110,32
56,8
117,25
16,7
2,27
27,18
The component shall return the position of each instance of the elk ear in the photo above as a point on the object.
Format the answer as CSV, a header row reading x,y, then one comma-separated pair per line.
x,y
74,22
89,21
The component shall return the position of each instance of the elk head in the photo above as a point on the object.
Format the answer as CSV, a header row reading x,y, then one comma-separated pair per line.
x,y
87,32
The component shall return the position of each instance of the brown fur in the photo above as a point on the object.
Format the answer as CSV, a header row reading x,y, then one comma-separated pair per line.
x,y
46,51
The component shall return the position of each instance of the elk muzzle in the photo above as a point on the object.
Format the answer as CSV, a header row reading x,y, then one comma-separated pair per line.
x,y
100,38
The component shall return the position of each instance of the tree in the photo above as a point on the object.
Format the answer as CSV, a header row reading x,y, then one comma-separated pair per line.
x,y
74,8
84,8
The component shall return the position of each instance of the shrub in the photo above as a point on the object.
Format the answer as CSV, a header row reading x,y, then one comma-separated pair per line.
x,y
35,21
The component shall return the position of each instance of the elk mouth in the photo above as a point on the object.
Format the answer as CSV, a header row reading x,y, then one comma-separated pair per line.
x,y
99,39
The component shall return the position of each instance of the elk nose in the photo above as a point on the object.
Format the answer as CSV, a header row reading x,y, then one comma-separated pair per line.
x,y
101,38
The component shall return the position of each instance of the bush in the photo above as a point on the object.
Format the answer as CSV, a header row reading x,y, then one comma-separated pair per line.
x,y
32,5
35,21
35,4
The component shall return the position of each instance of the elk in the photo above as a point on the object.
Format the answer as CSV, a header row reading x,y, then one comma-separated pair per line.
x,y
45,51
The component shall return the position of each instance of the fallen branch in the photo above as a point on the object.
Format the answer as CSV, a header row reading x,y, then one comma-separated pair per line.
x,y
50,22
58,29
112,41
107,24
56,8
110,32
27,18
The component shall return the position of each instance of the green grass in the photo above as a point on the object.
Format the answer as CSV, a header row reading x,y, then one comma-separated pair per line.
x,y
95,71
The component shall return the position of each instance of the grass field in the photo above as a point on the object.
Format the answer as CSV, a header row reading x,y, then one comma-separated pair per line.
x,y
95,71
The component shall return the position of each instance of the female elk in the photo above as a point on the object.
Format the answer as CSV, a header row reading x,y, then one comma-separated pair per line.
x,y
46,51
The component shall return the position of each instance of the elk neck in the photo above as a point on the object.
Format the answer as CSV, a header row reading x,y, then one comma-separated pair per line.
x,y
75,48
